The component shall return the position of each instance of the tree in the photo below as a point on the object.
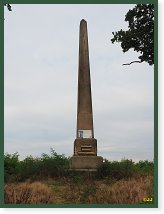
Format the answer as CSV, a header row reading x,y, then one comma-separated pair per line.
x,y
8,7
140,35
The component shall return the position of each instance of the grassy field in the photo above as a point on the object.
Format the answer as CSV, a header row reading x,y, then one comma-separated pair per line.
x,y
88,191
47,180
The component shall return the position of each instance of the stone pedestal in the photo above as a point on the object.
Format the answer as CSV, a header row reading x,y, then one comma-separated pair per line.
x,y
85,162
85,146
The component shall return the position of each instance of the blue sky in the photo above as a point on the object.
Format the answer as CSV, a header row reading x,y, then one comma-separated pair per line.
x,y
41,67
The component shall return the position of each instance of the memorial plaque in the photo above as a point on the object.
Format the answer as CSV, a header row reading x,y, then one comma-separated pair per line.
x,y
85,133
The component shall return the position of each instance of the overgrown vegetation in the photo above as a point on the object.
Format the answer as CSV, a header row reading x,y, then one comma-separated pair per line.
x,y
88,191
27,193
48,180
53,165
125,169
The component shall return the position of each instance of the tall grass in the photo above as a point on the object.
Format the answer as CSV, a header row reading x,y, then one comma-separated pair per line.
x,y
26,193
130,191
88,191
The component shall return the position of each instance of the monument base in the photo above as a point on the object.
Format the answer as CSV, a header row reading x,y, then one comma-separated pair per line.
x,y
85,147
85,162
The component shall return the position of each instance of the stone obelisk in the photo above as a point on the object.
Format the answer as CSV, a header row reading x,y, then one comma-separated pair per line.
x,y
85,145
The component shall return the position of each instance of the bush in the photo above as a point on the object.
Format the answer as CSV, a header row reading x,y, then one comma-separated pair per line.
x,y
11,162
124,169
29,168
145,167
55,165
52,165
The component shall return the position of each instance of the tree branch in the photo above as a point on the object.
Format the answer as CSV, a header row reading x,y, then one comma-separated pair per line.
x,y
8,7
132,62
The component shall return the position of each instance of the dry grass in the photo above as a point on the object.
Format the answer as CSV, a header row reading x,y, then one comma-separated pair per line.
x,y
124,192
26,193
130,191
90,191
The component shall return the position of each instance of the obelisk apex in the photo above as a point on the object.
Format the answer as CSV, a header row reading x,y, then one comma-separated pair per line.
x,y
84,106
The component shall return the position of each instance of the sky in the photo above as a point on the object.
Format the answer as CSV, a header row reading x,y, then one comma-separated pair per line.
x,y
40,82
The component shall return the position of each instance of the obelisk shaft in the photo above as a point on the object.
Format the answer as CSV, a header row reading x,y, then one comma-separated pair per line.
x,y
85,145
84,105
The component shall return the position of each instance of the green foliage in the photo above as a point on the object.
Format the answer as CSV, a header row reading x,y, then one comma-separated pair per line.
x,y
11,162
140,35
124,169
145,167
52,165
29,168
115,169
55,165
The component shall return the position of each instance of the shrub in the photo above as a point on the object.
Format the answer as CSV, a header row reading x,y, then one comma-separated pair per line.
x,y
145,167
124,169
53,165
29,168
116,169
11,162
